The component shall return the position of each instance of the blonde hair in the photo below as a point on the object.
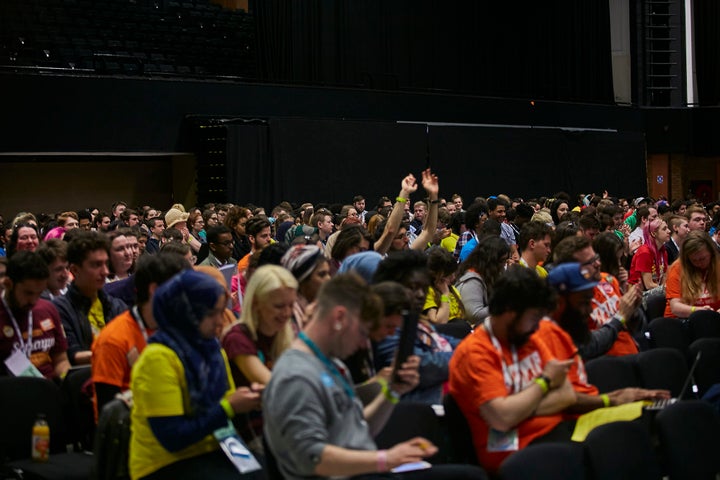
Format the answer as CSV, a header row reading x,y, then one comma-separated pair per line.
x,y
262,284
691,279
63,217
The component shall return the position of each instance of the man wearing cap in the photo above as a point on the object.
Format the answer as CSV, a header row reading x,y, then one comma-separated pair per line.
x,y
508,384
177,219
567,335
611,311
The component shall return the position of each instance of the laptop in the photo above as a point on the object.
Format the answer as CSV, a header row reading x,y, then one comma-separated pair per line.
x,y
659,404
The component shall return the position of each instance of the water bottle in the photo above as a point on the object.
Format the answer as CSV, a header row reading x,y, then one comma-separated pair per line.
x,y
41,439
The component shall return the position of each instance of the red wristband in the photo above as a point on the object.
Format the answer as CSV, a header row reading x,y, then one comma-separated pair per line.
x,y
382,461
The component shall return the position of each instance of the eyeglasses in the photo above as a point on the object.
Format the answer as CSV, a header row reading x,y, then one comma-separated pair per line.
x,y
226,243
593,260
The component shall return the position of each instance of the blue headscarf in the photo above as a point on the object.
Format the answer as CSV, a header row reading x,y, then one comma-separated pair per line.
x,y
179,305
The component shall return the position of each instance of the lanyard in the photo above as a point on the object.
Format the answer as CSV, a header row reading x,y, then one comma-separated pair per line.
x,y
25,346
141,323
328,364
510,378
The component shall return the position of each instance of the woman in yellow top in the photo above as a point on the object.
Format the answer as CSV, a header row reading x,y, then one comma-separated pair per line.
x,y
442,303
182,387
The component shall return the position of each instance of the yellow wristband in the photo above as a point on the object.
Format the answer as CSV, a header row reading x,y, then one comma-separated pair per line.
x,y
400,199
692,310
543,384
444,299
605,399
225,404
390,396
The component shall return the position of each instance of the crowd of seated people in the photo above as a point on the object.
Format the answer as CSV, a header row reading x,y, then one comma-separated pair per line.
x,y
231,325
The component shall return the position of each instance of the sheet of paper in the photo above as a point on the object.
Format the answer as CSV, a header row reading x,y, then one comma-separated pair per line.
x,y
586,423
409,467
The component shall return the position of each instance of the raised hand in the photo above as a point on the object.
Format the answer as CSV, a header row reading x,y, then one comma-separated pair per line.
x,y
408,185
430,184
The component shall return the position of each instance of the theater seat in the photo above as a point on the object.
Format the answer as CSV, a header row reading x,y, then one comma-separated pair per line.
x,y
689,434
621,451
545,461
22,399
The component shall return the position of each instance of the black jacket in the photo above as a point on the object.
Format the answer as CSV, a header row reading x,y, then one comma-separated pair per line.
x,y
73,308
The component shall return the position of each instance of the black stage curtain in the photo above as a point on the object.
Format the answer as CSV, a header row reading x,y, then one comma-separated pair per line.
x,y
542,50
706,17
250,174
331,161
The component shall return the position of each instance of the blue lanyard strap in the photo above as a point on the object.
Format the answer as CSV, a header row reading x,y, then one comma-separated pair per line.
x,y
328,364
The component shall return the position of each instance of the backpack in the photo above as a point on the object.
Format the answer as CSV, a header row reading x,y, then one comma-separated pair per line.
x,y
112,440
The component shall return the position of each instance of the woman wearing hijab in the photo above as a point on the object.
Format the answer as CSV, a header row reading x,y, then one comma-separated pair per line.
x,y
182,388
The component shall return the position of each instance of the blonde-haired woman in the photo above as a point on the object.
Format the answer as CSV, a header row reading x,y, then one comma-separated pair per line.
x,y
264,330
693,282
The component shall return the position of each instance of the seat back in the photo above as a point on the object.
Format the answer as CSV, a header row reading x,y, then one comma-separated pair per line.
x,y
612,373
79,414
456,328
669,333
654,305
459,437
409,420
689,440
621,450
545,461
663,368
704,324
22,399
112,442
707,372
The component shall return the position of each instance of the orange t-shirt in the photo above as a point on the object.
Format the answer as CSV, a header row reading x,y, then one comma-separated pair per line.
x,y
115,351
244,263
674,290
562,347
606,303
476,377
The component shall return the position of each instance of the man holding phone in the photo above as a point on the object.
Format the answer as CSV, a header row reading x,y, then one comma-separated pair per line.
x,y
506,382
315,424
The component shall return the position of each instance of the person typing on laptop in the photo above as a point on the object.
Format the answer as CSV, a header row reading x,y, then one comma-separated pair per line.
x,y
568,326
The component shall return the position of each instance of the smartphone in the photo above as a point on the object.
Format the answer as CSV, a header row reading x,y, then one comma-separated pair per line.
x,y
406,346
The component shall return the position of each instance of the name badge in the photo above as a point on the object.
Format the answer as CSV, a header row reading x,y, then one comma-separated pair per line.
x,y
234,448
503,441
19,365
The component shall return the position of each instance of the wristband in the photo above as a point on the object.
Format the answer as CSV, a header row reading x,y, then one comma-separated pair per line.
x,y
225,404
444,299
382,461
620,317
692,309
543,384
390,395
400,199
434,202
605,399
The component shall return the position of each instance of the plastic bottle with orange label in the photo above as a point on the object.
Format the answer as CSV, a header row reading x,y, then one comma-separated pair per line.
x,y
41,440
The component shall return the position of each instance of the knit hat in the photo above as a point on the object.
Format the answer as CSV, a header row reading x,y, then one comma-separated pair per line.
x,y
301,260
174,216
363,263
